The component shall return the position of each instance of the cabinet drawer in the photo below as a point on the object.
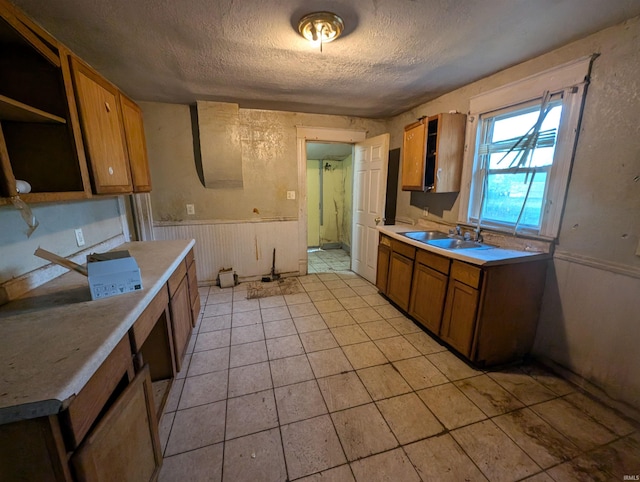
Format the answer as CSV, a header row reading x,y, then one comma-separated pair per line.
x,y
147,320
433,261
403,249
466,273
176,278
385,240
87,405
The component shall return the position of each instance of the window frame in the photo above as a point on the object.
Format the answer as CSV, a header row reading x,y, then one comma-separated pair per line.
x,y
568,80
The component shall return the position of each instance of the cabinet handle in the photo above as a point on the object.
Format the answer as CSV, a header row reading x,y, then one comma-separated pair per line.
x,y
107,106
438,175
110,171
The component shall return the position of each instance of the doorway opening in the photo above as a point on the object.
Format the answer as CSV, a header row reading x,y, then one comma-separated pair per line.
x,y
329,206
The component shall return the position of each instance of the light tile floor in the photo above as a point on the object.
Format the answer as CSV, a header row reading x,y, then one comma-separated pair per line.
x,y
322,261
331,382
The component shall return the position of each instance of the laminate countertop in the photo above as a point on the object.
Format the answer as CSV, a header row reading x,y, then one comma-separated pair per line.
x,y
54,338
492,256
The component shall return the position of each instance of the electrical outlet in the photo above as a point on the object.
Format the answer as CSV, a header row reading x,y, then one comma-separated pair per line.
x,y
79,237
291,194
191,208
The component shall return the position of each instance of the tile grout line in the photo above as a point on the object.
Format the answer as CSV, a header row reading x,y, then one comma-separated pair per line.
x,y
414,391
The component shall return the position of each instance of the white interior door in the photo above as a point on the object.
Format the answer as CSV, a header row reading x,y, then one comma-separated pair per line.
x,y
369,191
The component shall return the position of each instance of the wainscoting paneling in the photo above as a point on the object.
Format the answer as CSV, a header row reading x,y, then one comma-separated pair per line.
x,y
247,247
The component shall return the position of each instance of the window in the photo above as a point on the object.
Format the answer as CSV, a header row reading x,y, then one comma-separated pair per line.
x,y
523,137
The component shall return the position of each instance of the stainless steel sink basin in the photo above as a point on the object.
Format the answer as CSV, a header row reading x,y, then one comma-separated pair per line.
x,y
425,236
454,243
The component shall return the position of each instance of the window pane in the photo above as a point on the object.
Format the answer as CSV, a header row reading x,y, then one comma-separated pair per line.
x,y
509,125
513,126
517,124
505,195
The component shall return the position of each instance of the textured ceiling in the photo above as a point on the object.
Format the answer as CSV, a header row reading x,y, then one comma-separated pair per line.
x,y
394,54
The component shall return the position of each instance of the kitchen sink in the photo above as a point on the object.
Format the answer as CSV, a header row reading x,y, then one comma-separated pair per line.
x,y
424,236
454,243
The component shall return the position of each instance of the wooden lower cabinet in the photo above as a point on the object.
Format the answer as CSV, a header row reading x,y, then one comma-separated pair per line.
x,y
124,446
399,284
428,292
194,294
488,314
84,409
181,320
459,319
180,308
108,430
400,273
33,450
151,339
382,272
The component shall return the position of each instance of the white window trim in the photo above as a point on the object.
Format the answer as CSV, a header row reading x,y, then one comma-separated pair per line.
x,y
570,79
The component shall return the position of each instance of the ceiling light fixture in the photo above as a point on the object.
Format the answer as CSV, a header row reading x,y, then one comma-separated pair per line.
x,y
320,27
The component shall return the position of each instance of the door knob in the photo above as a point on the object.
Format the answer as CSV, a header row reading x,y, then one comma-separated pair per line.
x,y
377,220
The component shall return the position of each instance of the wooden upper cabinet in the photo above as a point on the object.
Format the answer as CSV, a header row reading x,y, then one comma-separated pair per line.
x,y
413,156
136,144
103,133
433,148
36,103
90,136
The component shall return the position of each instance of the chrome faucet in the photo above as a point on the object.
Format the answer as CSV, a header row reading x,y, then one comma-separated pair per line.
x,y
477,236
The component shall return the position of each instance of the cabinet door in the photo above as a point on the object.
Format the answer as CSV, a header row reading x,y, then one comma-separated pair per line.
x,y
382,272
102,131
427,297
399,286
413,156
124,446
459,321
136,144
181,320
449,151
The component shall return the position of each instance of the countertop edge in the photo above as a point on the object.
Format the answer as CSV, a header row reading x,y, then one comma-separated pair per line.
x,y
496,256
59,400
81,379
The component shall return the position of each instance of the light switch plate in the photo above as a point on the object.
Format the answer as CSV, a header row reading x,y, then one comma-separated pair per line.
x,y
79,237
291,194
191,209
